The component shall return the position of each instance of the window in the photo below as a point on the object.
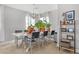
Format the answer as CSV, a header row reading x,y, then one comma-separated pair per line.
x,y
45,19
29,21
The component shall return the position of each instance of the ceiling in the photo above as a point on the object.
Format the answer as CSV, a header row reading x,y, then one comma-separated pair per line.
x,y
34,8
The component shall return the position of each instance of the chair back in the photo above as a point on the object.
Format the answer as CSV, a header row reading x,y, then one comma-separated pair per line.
x,y
45,33
35,35
18,31
52,32
25,30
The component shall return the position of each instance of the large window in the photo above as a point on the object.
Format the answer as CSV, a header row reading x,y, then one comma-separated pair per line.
x,y
29,21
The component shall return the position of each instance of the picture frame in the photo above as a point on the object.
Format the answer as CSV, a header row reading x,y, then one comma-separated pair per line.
x,y
70,15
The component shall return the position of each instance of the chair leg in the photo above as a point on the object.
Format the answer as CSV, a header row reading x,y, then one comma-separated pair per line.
x,y
16,41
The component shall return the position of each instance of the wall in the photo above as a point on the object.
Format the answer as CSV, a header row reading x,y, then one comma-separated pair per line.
x,y
2,36
14,19
67,7
55,21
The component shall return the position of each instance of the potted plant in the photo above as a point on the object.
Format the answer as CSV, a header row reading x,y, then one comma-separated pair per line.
x,y
40,25
48,26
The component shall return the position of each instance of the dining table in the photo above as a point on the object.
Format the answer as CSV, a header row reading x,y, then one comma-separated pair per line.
x,y
21,36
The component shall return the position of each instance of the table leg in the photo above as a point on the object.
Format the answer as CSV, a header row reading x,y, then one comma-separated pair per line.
x,y
16,41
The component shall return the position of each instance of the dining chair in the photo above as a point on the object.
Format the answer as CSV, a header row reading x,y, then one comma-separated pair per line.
x,y
35,37
33,40
45,34
52,34
17,38
18,31
41,39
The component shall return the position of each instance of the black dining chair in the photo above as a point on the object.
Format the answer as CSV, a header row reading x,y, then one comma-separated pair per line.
x,y
52,32
18,31
53,35
45,33
33,41
35,37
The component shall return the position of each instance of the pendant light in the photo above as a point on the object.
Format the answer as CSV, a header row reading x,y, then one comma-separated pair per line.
x,y
34,9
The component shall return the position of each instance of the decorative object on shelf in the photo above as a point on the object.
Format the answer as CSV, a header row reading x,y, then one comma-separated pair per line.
x,y
70,30
65,44
70,22
64,26
69,37
70,15
63,29
64,19
63,23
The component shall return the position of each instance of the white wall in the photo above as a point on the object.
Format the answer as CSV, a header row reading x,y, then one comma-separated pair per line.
x,y
2,38
55,22
54,19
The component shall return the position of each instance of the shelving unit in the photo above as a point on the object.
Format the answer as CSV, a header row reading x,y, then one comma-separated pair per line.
x,y
67,35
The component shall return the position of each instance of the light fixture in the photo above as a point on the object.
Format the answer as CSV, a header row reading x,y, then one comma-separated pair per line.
x,y
34,9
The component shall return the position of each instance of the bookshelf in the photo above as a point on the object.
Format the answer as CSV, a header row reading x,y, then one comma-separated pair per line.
x,y
67,35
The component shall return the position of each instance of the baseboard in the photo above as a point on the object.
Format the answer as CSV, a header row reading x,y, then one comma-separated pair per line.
x,y
6,42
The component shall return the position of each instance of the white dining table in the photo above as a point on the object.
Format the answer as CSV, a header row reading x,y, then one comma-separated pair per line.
x,y
17,37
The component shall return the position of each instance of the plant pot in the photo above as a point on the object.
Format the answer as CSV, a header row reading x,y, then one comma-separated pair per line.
x,y
42,29
30,30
